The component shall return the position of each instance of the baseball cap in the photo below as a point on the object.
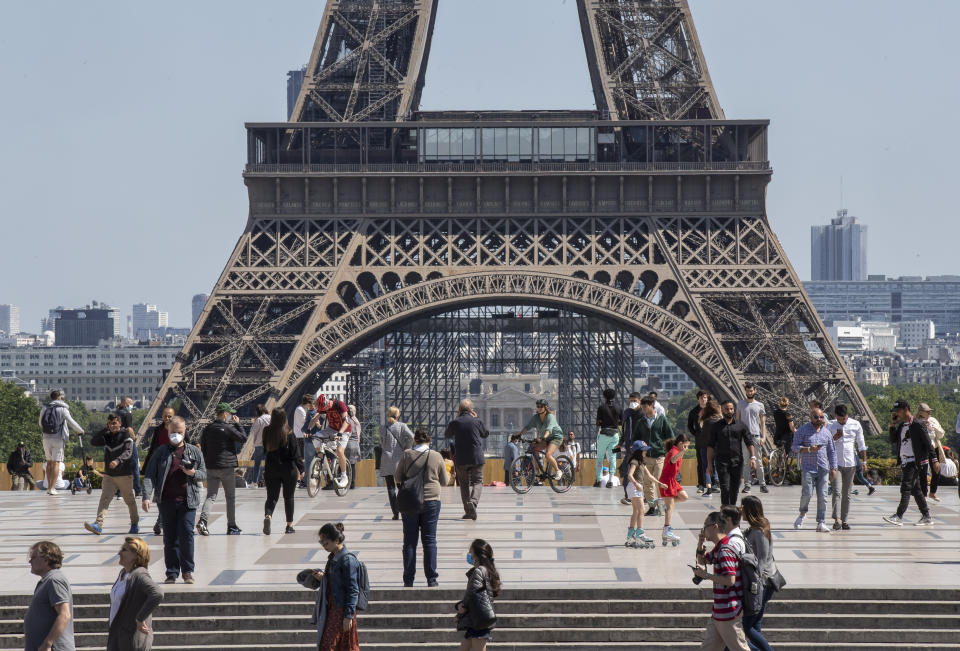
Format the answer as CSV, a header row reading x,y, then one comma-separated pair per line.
x,y
900,404
225,407
640,445
924,407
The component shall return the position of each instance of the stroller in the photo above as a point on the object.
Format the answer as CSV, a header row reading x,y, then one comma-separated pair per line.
x,y
81,481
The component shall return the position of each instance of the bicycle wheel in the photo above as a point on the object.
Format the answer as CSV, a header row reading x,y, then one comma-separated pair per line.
x,y
335,472
565,483
778,467
522,475
313,477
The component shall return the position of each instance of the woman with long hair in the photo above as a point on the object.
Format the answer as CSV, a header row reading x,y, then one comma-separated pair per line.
x,y
133,598
283,467
673,492
395,439
476,616
761,543
544,422
709,416
339,587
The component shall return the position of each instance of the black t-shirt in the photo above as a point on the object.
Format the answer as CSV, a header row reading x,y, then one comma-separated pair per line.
x,y
781,420
608,415
694,428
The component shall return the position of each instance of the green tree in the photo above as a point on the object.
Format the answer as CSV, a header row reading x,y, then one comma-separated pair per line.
x,y
679,408
944,401
19,421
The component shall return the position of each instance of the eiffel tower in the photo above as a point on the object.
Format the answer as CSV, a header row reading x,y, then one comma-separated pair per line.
x,y
366,213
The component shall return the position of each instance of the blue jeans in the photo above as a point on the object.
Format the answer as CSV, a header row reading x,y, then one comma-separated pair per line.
x,y
136,471
702,478
605,445
807,479
423,523
752,624
309,452
253,473
177,522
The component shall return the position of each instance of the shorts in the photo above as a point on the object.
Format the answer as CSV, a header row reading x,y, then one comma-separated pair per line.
x,y
53,448
633,492
477,634
554,438
342,439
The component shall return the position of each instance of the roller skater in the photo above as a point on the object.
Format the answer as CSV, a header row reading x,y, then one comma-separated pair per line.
x,y
636,471
669,538
671,491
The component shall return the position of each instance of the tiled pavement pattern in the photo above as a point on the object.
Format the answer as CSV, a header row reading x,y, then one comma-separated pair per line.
x,y
540,540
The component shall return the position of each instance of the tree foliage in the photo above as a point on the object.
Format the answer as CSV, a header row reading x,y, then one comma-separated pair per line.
x,y
19,421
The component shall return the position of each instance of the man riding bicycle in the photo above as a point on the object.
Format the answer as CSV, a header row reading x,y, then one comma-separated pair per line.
x,y
545,424
337,427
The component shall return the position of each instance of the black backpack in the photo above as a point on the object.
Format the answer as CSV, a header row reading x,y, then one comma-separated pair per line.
x,y
363,583
51,421
750,578
410,493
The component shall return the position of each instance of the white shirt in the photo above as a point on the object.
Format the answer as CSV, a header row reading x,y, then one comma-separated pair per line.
x,y
906,445
256,430
934,430
116,594
737,540
573,449
658,409
948,469
850,443
299,418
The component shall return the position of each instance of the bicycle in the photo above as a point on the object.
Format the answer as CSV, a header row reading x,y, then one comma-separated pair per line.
x,y
779,465
528,470
325,469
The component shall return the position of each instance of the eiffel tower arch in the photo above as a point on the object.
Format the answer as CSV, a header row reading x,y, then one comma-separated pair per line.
x,y
366,214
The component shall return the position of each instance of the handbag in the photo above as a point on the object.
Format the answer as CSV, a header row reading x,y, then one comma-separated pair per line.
x,y
410,493
777,581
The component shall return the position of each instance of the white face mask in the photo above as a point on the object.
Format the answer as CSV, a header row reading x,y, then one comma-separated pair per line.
x,y
176,438
634,405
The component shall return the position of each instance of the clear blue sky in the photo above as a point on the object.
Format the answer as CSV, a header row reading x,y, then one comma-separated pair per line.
x,y
124,141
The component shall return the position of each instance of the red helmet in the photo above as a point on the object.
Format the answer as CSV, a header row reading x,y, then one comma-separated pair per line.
x,y
321,402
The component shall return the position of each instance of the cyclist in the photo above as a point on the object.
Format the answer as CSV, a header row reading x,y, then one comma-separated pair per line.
x,y
337,427
545,424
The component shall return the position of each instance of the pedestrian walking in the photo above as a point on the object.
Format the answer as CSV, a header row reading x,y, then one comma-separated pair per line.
x,y
909,438
851,454
48,624
725,628
657,407
55,425
575,454
133,598
709,417
172,482
725,452
670,489
638,474
117,473
510,453
608,436
653,429
338,589
818,460
353,445
752,413
125,412
301,416
936,434
255,472
19,464
475,612
427,464
219,442
695,429
628,419
469,436
761,544
159,439
396,438
283,468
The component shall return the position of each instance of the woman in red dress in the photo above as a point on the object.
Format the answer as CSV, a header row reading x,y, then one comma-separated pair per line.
x,y
674,491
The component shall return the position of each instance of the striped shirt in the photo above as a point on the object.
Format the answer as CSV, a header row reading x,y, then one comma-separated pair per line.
x,y
727,601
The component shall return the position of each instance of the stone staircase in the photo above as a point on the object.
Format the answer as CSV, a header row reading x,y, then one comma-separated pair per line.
x,y
563,620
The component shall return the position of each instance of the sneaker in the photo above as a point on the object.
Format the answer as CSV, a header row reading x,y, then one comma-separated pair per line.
x,y
170,579
934,497
433,584
188,577
871,490
845,526
893,519
699,489
798,523
624,500
557,476
156,529
289,529
233,531
52,491
266,526
596,484
822,528
836,525
651,511
746,489
344,481
708,491
764,489
924,521
202,529
93,528
134,528
609,483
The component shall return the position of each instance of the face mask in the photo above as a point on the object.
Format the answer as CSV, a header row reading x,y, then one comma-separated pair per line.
x,y
469,558
634,405
176,438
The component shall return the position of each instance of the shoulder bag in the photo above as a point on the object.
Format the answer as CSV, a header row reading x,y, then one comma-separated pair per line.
x,y
410,493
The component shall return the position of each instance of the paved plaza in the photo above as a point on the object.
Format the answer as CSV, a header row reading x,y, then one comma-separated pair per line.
x,y
540,540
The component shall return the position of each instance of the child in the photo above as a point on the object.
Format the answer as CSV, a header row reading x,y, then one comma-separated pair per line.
x,y
84,473
636,470
672,492
475,614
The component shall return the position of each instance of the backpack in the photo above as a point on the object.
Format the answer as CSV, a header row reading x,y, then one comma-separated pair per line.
x,y
410,493
751,578
363,583
51,421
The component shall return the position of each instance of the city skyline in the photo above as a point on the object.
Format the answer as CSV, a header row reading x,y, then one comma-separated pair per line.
x,y
826,123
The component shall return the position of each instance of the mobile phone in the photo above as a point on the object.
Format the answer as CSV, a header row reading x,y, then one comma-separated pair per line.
x,y
692,567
